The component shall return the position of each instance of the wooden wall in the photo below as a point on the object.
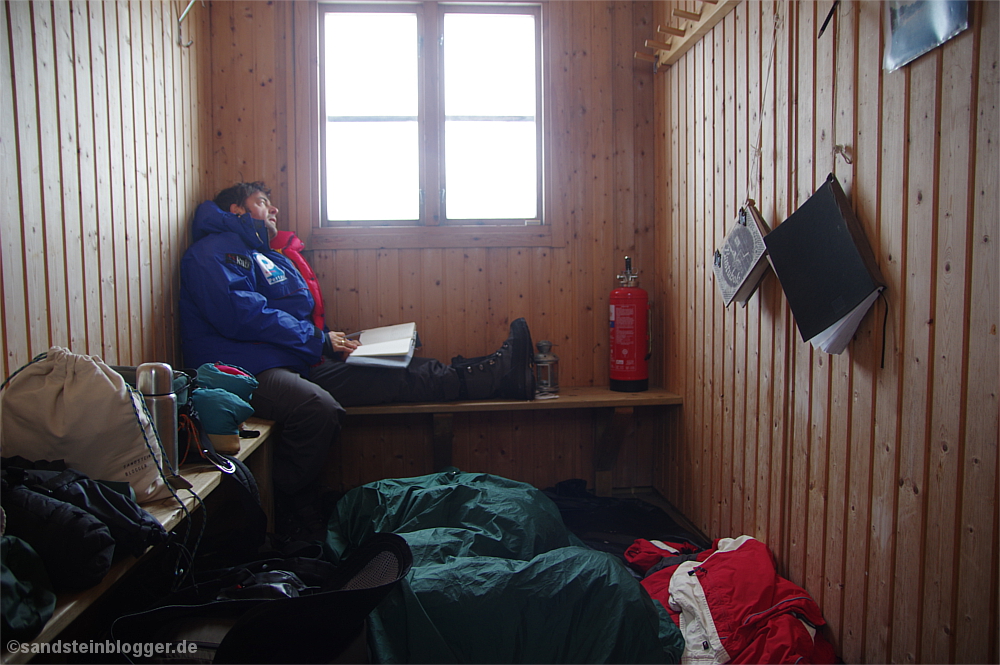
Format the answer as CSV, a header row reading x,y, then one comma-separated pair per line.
x,y
600,131
599,127
100,159
876,487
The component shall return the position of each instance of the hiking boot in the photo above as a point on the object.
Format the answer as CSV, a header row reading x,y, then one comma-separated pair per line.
x,y
508,372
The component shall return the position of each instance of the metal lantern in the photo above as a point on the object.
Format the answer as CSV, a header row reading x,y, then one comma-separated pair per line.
x,y
546,369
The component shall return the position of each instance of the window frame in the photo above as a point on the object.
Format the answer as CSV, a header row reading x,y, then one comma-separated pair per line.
x,y
429,231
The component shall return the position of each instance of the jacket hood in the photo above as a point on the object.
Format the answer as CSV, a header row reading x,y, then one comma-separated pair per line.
x,y
287,240
210,219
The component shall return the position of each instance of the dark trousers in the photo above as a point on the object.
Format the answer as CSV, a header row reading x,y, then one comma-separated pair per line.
x,y
309,410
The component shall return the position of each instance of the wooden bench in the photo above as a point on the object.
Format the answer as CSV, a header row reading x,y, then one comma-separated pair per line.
x,y
611,410
204,479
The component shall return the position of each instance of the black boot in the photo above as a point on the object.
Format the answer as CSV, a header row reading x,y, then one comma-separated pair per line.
x,y
508,372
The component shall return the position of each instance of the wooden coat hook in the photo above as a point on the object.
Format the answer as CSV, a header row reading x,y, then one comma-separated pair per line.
x,y
691,16
659,46
693,26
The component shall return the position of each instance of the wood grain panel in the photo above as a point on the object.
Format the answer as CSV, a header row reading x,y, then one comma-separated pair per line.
x,y
842,94
867,157
51,235
72,224
978,560
14,311
89,133
875,484
944,415
853,470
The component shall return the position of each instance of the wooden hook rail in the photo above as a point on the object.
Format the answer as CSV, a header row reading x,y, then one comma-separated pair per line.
x,y
693,26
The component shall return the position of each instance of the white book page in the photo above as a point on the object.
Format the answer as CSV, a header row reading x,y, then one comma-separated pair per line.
x,y
387,341
836,338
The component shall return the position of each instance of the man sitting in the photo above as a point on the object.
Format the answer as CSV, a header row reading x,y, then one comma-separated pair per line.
x,y
244,303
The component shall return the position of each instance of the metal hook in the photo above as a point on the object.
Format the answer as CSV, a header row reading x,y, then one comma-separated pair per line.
x,y
179,21
844,151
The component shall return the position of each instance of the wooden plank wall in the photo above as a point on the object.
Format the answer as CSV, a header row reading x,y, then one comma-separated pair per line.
x,y
876,487
100,157
600,132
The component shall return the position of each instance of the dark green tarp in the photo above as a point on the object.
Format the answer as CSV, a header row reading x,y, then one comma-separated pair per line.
x,y
497,578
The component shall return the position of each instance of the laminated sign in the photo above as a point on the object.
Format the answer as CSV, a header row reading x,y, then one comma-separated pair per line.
x,y
740,264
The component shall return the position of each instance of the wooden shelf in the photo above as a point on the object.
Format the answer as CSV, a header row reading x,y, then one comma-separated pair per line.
x,y
588,397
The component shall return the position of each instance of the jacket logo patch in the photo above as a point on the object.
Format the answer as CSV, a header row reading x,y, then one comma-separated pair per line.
x,y
272,273
239,260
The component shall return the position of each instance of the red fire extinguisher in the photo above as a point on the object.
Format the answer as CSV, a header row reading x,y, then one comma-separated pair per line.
x,y
630,346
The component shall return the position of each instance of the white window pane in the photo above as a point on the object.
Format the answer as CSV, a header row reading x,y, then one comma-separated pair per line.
x,y
372,170
502,83
490,170
363,78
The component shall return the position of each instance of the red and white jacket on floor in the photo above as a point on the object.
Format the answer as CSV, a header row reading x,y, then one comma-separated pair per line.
x,y
733,607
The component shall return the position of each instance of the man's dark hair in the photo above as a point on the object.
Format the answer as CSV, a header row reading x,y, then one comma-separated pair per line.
x,y
239,193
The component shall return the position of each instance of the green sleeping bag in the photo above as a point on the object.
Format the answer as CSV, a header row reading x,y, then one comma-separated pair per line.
x,y
497,578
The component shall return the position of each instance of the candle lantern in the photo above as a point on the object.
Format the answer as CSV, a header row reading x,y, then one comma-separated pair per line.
x,y
546,369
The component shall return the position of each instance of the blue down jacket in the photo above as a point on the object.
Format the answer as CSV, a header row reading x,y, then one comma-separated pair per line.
x,y
242,302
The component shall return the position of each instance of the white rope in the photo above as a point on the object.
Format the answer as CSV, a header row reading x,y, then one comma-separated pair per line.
x,y
753,176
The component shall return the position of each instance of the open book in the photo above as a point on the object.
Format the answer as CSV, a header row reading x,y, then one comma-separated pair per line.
x,y
389,346
826,267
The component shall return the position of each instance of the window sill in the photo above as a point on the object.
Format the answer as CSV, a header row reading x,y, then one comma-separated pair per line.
x,y
422,237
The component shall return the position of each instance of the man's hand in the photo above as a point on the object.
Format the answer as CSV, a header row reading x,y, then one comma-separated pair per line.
x,y
341,344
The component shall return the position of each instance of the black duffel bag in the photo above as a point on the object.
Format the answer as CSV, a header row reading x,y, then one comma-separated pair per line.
x,y
278,610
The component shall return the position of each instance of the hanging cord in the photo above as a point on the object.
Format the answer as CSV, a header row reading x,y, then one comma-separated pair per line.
x,y
186,555
885,321
755,150
188,426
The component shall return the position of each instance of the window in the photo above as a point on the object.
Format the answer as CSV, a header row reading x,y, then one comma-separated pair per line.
x,y
432,115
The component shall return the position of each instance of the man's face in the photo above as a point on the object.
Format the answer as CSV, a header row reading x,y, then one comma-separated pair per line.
x,y
259,207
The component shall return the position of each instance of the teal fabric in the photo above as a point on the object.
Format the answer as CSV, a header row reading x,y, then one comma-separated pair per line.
x,y
220,411
26,595
497,578
241,385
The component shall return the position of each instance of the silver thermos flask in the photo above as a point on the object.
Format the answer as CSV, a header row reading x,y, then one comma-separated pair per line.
x,y
156,383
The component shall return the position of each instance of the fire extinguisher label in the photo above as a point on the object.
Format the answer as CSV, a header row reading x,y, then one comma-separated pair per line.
x,y
623,335
628,334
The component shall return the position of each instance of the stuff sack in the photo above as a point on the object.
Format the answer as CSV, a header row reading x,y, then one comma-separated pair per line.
x,y
236,380
65,406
